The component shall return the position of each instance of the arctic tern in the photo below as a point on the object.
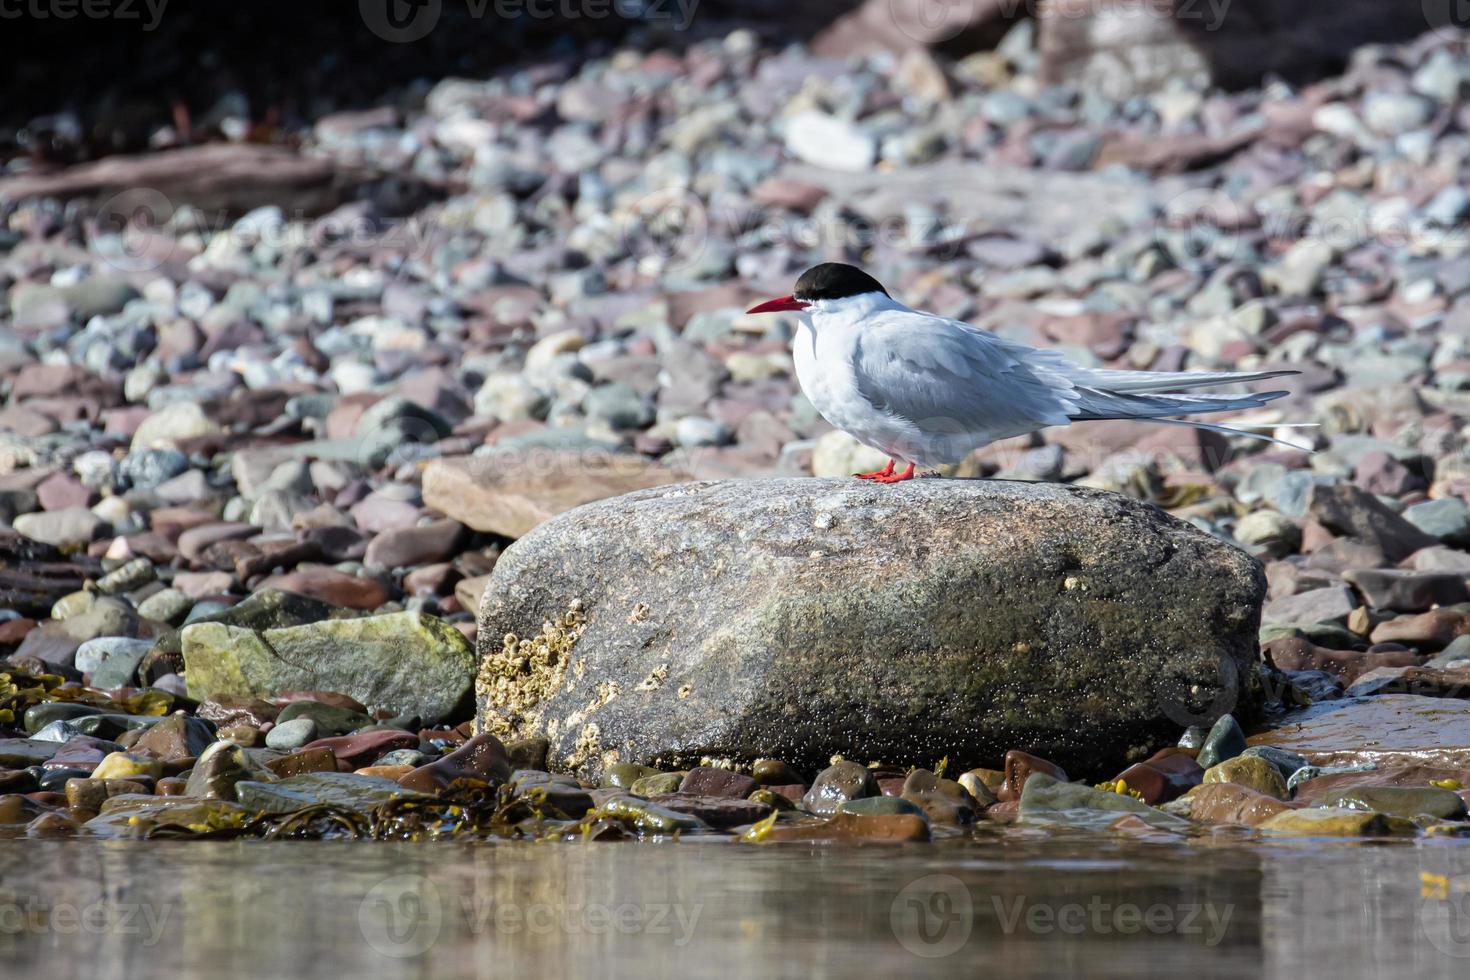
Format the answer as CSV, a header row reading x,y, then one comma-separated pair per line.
x,y
927,390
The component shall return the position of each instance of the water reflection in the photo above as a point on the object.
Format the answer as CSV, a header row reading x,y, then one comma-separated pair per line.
x,y
1008,905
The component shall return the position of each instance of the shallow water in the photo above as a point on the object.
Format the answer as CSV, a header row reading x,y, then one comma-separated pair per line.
x,y
1018,904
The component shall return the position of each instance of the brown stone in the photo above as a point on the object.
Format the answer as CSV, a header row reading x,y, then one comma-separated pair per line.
x,y
364,748
306,760
226,710
1018,768
1295,653
1165,776
719,811
1433,630
510,493
482,758
330,585
853,827
710,781
1233,803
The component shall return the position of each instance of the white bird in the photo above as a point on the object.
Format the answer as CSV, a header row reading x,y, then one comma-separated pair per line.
x,y
927,390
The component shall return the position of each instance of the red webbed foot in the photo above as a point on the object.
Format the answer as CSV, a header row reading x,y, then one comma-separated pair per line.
x,y
892,477
877,475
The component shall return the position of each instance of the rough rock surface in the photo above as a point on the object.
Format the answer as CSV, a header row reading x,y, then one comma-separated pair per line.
x,y
408,663
798,618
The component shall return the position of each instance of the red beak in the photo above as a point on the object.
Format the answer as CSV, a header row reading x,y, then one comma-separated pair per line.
x,y
780,304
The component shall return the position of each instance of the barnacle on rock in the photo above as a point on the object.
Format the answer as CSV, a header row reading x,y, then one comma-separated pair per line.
x,y
513,682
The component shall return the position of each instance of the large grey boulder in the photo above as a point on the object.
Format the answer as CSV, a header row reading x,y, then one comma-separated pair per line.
x,y
801,618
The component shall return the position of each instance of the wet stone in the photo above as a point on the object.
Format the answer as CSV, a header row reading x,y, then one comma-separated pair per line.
x,y
645,817
1337,822
1232,803
342,789
480,759
307,760
1224,741
176,737
775,772
291,735
838,783
1019,766
720,812
1398,801
328,718
1048,800
880,806
623,775
1251,772
364,748
657,784
218,769
709,781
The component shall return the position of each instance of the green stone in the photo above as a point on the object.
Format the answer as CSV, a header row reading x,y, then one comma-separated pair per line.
x,y
218,769
773,800
1045,799
657,785
1225,741
1285,762
624,775
1250,771
330,719
344,789
20,753
38,716
1337,822
137,815
1399,801
408,663
646,817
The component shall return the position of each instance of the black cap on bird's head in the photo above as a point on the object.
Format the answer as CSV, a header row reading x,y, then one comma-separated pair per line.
x,y
830,280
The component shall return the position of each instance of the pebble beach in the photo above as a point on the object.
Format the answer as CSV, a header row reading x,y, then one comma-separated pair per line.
x,y
260,464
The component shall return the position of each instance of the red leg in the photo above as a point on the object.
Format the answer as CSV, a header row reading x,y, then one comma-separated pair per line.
x,y
877,474
890,477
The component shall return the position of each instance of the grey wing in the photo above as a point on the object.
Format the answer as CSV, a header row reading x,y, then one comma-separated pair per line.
x,y
951,380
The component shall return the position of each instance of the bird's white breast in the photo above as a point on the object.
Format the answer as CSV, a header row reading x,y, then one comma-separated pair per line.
x,y
826,354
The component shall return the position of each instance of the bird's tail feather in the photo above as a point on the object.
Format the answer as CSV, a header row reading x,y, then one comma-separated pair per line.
x,y
1142,382
1095,404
